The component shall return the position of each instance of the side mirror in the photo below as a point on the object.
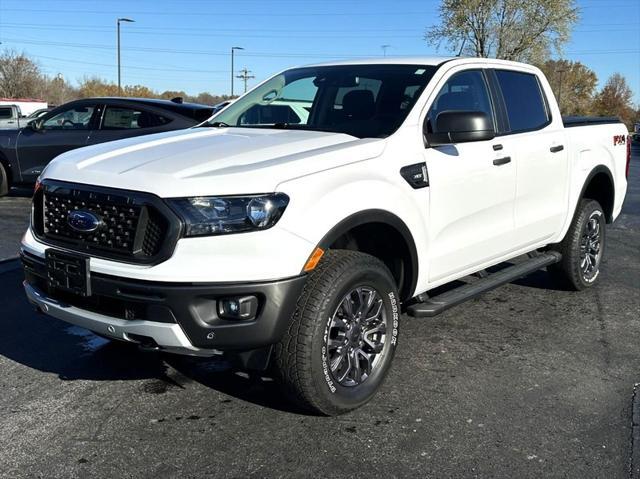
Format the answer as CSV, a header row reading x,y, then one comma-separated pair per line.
x,y
460,127
35,125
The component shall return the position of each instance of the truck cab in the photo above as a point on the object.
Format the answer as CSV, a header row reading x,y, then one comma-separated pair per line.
x,y
10,116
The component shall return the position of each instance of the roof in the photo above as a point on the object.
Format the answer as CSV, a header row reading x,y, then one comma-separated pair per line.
x,y
168,104
417,60
389,61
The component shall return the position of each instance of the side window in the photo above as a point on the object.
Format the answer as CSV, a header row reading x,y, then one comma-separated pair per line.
x,y
121,118
523,97
6,113
464,91
77,118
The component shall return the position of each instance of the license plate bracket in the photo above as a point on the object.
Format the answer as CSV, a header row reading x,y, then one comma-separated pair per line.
x,y
68,272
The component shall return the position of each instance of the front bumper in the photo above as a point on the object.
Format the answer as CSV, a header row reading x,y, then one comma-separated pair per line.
x,y
176,317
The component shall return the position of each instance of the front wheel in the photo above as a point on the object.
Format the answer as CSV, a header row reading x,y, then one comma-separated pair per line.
x,y
582,248
342,337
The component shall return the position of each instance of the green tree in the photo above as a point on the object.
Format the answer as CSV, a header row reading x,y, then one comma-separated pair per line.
x,y
519,30
573,84
20,77
615,99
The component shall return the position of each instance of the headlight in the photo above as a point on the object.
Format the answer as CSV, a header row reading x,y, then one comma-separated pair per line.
x,y
211,215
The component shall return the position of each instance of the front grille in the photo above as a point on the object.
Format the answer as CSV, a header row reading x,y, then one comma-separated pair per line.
x,y
132,226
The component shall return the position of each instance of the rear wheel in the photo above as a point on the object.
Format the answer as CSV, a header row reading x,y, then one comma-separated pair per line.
x,y
342,337
582,248
4,181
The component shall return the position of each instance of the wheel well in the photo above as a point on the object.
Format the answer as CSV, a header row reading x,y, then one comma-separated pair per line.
x,y
600,188
388,244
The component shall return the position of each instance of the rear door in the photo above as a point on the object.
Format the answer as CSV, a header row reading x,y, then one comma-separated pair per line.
x,y
125,121
63,129
535,140
472,190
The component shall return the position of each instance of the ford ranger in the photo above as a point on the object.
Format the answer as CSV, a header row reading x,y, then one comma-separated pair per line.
x,y
295,240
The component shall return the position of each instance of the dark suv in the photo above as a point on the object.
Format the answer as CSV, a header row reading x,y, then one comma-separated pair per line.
x,y
25,152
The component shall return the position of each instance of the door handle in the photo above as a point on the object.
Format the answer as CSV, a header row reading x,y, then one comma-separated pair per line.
x,y
556,149
502,161
497,147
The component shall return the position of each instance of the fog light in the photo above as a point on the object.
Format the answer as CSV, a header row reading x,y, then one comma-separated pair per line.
x,y
243,307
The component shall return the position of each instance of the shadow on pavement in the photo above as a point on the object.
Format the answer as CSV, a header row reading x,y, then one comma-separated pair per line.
x,y
52,346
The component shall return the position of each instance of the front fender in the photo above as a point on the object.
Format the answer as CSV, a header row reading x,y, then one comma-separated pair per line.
x,y
321,201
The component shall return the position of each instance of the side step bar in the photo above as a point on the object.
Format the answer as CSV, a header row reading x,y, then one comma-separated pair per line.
x,y
438,304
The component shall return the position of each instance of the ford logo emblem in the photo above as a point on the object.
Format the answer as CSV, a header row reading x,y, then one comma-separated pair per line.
x,y
83,221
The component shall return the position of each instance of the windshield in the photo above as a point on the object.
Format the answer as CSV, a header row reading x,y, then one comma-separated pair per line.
x,y
366,101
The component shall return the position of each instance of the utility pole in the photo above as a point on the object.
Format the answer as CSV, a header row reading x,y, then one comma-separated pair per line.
x,y
384,49
121,20
233,73
244,76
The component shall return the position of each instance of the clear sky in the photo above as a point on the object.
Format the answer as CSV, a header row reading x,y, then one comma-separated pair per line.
x,y
184,44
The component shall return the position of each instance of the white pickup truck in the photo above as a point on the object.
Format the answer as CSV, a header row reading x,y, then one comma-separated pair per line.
x,y
10,116
296,240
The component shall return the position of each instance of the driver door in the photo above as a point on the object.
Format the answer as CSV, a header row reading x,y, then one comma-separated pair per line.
x,y
63,129
472,187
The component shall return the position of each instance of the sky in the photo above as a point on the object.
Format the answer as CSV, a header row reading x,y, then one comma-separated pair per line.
x,y
185,44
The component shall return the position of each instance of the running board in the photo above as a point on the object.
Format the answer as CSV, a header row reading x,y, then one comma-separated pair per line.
x,y
438,304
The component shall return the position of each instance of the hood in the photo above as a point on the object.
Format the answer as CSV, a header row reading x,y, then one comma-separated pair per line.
x,y
208,161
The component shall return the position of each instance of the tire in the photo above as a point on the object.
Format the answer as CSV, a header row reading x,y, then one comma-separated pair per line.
x,y
4,181
587,233
321,330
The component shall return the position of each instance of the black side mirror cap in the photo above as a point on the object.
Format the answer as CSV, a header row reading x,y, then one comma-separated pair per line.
x,y
460,127
35,125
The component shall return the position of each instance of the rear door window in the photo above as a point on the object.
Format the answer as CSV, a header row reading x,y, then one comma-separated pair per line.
x,y
526,106
122,118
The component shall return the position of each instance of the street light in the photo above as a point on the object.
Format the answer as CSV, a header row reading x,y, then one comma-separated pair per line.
x,y
120,20
233,49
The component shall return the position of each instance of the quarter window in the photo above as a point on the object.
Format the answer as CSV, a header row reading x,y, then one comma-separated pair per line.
x,y
464,91
526,106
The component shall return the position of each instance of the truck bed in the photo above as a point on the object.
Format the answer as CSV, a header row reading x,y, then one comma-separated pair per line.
x,y
572,121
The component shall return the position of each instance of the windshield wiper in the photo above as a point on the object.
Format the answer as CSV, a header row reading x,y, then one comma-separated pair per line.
x,y
217,124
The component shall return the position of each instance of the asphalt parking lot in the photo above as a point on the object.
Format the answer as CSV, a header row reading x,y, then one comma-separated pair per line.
x,y
526,381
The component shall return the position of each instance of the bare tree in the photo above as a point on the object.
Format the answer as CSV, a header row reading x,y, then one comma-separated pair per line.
x,y
20,77
615,99
519,30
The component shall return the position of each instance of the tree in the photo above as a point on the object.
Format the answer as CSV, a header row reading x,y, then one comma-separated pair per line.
x,y
615,99
519,30
56,90
94,86
20,77
139,91
573,84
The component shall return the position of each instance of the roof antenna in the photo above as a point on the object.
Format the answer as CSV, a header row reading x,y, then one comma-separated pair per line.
x,y
464,41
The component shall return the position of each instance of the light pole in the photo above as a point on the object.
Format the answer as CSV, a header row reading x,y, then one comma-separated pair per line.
x,y
233,49
120,20
384,49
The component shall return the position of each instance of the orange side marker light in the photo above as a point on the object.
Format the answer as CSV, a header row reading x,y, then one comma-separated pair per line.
x,y
313,260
